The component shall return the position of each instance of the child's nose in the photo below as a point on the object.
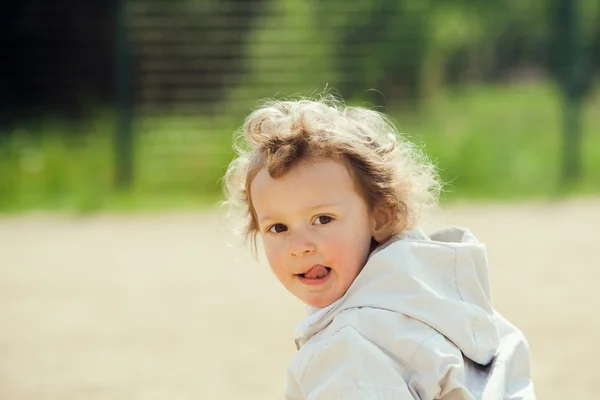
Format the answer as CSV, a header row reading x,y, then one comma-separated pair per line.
x,y
301,247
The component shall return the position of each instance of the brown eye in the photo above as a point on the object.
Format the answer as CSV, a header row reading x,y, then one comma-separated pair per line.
x,y
277,228
323,220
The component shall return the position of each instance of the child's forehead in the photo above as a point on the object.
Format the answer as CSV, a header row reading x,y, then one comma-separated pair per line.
x,y
304,187
319,174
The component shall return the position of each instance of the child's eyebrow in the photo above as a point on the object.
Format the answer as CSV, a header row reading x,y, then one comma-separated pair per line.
x,y
266,218
269,218
319,206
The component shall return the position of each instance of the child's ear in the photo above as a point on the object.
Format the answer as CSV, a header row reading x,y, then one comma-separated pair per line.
x,y
383,222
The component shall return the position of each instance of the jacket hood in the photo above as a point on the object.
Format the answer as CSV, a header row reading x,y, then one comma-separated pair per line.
x,y
441,280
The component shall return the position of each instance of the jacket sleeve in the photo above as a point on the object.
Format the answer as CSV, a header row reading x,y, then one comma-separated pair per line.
x,y
351,367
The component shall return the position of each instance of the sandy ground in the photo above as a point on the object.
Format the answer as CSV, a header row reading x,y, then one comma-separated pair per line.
x,y
158,307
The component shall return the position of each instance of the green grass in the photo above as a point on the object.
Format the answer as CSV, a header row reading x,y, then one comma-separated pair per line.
x,y
503,142
489,143
177,164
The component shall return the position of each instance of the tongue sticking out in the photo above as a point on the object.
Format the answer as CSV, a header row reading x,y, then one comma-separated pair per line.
x,y
318,271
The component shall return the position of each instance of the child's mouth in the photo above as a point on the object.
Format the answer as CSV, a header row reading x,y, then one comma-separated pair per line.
x,y
316,275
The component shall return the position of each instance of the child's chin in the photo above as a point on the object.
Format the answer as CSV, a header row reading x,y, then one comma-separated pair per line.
x,y
321,302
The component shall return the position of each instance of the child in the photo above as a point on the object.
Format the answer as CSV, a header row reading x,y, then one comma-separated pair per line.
x,y
335,195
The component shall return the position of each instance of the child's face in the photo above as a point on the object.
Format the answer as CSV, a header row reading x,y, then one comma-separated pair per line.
x,y
316,229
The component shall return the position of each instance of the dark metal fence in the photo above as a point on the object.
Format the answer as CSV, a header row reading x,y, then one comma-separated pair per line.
x,y
195,67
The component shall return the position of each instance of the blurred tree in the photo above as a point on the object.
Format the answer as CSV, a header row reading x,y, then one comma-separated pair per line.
x,y
411,49
377,44
56,57
574,61
189,52
59,55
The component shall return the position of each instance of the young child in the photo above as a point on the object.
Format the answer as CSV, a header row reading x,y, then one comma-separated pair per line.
x,y
335,194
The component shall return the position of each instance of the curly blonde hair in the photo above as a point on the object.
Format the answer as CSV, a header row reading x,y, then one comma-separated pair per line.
x,y
387,169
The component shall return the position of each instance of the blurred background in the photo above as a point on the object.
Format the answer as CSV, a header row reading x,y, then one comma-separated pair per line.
x,y
132,104
118,280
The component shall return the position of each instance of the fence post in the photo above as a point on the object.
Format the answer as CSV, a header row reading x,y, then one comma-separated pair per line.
x,y
572,90
123,139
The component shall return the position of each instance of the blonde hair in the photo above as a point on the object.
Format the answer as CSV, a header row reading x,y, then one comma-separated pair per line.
x,y
387,169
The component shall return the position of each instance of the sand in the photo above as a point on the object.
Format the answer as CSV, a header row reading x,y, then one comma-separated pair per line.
x,y
160,307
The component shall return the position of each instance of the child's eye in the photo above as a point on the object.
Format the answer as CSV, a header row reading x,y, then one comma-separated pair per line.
x,y
323,219
277,228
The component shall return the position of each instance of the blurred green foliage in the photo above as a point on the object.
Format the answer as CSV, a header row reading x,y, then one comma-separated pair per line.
x,y
475,81
409,49
488,142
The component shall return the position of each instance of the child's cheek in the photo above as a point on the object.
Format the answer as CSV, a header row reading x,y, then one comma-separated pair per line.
x,y
345,254
334,251
276,258
273,256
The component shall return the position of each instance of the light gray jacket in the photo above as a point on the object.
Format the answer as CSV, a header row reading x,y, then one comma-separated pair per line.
x,y
417,323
